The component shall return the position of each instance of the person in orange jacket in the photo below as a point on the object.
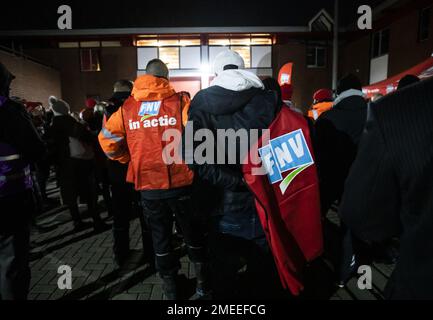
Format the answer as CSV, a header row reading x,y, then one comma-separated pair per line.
x,y
323,101
134,135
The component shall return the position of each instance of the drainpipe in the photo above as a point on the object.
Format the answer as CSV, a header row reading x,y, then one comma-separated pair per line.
x,y
335,49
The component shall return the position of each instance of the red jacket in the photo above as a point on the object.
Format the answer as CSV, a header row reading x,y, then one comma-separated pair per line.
x,y
287,197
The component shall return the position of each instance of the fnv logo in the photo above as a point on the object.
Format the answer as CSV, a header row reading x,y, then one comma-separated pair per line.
x,y
149,109
286,153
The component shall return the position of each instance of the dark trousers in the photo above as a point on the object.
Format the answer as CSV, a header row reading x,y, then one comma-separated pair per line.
x,y
15,217
159,215
229,254
77,178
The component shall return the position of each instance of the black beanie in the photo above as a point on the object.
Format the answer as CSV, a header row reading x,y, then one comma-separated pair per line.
x,y
5,80
348,82
407,81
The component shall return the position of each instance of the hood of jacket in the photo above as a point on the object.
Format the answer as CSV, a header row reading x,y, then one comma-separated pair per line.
x,y
150,88
5,80
348,94
237,80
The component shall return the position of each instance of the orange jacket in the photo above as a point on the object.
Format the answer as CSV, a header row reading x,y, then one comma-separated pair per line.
x,y
320,108
134,135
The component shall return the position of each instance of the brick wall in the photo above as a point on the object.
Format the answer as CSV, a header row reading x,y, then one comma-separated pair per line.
x,y
305,80
116,63
34,81
405,51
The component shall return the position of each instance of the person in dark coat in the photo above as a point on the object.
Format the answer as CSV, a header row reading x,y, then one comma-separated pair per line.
x,y
20,147
389,190
75,172
124,198
236,100
337,135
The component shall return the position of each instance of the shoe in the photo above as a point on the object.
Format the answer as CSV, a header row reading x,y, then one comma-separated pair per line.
x,y
169,287
81,226
100,226
202,274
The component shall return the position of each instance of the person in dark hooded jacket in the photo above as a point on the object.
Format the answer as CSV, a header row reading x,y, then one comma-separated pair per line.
x,y
20,146
236,100
389,191
338,133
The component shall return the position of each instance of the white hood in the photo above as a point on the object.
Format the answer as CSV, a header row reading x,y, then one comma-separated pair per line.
x,y
237,80
347,94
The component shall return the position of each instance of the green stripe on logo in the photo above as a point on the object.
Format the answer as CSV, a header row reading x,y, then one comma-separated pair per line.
x,y
288,180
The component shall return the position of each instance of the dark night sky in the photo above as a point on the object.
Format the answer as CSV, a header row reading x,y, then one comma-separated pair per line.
x,y
20,15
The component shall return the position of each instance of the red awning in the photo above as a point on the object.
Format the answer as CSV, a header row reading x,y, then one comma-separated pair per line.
x,y
423,70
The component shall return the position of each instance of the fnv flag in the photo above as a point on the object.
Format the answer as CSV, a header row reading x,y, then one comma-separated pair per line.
x,y
287,153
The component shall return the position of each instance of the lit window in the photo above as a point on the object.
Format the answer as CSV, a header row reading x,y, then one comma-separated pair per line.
x,y
219,42
170,56
245,53
168,42
90,60
147,43
240,42
189,42
261,41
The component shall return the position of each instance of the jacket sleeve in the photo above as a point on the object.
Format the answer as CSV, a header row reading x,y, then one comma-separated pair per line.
x,y
371,201
112,139
186,104
217,175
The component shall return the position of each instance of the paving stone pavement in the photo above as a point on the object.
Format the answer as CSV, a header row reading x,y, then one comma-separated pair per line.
x,y
95,277
89,254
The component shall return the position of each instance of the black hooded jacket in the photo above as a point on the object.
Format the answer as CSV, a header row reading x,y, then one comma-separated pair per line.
x,y
221,185
16,127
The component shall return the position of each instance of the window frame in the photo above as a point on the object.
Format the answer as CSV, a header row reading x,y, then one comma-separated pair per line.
x,y
316,49
420,23
380,52
90,50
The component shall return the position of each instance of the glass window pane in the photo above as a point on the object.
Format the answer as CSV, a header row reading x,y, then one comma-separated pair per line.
x,y
261,41
245,53
376,45
170,56
311,56
321,57
384,46
219,42
147,43
168,42
189,42
262,57
242,42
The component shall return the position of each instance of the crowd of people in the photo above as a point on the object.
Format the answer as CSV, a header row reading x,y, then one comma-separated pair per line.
x,y
372,160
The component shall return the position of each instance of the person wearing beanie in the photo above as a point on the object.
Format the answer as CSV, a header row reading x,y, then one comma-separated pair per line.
x,y
407,81
322,102
20,148
235,100
338,133
91,103
134,136
59,107
71,145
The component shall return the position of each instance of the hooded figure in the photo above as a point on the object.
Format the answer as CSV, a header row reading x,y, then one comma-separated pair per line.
x,y
235,100
338,132
20,146
134,135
